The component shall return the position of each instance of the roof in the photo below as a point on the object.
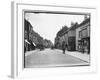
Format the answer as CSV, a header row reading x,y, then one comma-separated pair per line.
x,y
84,22
68,29
73,27
62,31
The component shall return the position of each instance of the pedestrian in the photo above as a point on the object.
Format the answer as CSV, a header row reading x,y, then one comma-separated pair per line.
x,y
63,47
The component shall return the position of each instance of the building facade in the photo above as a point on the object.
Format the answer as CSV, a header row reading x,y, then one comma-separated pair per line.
x,y
61,37
72,37
69,37
83,36
32,39
28,43
77,37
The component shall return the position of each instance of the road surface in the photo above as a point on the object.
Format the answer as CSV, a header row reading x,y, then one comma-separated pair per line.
x,y
50,58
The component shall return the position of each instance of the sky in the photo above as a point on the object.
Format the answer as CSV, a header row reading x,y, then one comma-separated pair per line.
x,y
47,25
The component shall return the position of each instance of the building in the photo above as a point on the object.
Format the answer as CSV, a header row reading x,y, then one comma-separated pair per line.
x,y
83,36
28,43
26,35
61,37
32,39
77,37
47,43
68,35
71,35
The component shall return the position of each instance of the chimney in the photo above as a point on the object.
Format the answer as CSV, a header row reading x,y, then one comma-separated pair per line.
x,y
86,17
72,23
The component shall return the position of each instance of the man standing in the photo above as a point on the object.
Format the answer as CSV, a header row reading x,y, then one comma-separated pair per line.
x,y
63,47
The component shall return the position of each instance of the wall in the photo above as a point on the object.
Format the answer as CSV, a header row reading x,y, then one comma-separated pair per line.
x,y
5,40
71,33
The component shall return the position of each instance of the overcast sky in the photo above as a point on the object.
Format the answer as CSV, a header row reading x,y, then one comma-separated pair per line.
x,y
47,25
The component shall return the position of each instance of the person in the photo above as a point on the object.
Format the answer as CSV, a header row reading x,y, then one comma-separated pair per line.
x,y
63,47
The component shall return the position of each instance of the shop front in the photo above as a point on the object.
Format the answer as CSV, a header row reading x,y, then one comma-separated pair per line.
x,y
84,45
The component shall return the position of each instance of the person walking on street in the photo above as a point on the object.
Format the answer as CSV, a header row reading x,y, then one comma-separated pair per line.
x,y
63,47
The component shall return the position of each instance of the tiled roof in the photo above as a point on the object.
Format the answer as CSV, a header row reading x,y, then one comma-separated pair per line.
x,y
67,30
84,22
73,27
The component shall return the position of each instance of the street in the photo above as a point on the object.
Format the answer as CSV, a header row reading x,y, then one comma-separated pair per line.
x,y
51,58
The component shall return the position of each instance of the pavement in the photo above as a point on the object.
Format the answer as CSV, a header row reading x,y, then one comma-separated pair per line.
x,y
82,56
51,58
31,52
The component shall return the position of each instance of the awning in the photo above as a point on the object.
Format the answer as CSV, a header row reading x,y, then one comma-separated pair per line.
x,y
34,44
27,41
86,38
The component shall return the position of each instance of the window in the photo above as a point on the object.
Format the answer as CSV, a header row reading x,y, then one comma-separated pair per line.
x,y
80,34
84,32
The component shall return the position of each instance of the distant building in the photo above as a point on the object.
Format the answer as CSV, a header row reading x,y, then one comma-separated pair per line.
x,y
57,42
83,36
61,37
47,43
